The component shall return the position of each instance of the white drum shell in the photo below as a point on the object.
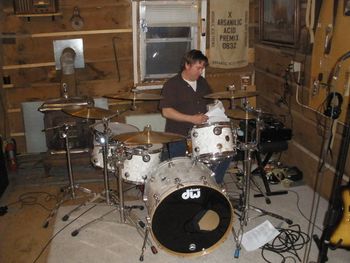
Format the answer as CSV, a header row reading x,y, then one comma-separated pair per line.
x,y
115,128
209,146
136,170
166,178
97,156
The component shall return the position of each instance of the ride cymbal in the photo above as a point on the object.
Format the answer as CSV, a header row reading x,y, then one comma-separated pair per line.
x,y
94,113
240,114
231,94
147,136
134,96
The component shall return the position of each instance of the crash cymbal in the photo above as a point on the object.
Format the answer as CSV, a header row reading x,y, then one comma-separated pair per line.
x,y
240,114
238,94
147,136
135,96
94,113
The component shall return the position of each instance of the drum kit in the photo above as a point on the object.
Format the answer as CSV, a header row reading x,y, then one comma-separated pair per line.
x,y
188,212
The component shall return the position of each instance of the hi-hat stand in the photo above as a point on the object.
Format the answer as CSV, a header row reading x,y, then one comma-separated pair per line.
x,y
69,192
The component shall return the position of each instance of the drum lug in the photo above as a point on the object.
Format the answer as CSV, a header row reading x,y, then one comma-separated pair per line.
x,y
178,182
156,198
204,179
217,130
171,164
148,219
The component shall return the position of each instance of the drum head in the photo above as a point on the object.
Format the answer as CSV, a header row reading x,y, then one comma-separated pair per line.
x,y
191,220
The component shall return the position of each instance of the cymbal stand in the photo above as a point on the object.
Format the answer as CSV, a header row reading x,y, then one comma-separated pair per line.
x,y
249,148
231,89
105,194
68,191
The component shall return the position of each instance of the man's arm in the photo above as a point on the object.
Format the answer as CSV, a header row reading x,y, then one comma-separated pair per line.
x,y
171,113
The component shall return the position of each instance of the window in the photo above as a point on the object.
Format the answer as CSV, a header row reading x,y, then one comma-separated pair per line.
x,y
162,32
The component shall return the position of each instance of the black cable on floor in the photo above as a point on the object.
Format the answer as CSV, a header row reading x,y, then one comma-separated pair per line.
x,y
289,241
301,213
30,198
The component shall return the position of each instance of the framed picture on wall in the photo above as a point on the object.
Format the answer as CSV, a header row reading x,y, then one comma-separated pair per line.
x,y
279,22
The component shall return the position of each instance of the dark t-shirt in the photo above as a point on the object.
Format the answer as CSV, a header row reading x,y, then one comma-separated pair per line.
x,y
179,95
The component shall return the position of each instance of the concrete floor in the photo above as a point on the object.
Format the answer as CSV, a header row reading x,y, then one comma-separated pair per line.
x,y
32,194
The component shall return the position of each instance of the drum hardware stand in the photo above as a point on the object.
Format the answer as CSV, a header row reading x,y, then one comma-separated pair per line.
x,y
116,161
248,148
129,218
68,191
105,194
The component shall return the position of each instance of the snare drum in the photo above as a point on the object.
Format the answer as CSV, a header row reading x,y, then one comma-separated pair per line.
x,y
212,141
189,215
115,129
140,161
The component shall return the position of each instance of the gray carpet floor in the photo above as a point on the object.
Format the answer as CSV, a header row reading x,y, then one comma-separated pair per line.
x,y
108,241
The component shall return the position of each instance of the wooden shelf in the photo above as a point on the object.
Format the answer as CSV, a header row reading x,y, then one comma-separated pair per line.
x,y
39,15
8,86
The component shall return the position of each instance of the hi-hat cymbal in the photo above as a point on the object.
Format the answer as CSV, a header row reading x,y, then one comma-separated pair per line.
x,y
147,136
135,96
94,113
238,94
240,114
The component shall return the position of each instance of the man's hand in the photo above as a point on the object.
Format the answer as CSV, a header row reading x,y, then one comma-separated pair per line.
x,y
199,118
173,114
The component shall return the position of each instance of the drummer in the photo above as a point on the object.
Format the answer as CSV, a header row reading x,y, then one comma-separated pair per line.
x,y
183,105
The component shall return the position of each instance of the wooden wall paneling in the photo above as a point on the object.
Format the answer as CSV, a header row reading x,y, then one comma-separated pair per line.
x,y
16,96
100,88
16,122
96,47
28,77
16,128
271,60
106,70
104,15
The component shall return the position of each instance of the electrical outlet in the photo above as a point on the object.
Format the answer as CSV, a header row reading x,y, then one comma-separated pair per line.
x,y
296,66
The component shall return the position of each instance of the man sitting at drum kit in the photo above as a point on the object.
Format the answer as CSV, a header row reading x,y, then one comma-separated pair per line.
x,y
183,105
